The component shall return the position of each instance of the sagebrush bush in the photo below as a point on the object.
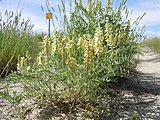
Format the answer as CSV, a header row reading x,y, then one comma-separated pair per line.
x,y
15,40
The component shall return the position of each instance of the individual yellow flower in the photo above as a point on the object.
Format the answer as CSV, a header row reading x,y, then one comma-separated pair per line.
x,y
65,39
28,68
71,62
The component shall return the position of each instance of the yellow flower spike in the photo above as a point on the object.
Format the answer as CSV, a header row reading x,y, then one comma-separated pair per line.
x,y
56,36
108,27
111,40
108,3
57,42
98,4
40,58
115,39
54,47
98,42
88,54
19,64
28,56
89,6
46,47
69,48
80,2
23,63
90,40
80,42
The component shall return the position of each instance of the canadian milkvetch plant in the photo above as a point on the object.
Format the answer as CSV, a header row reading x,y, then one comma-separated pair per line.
x,y
88,51
97,44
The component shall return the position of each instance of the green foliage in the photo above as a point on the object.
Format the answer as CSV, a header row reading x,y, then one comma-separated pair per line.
x,y
15,39
153,43
119,38
97,45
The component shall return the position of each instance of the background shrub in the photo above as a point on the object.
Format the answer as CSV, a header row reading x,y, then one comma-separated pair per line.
x,y
16,38
153,42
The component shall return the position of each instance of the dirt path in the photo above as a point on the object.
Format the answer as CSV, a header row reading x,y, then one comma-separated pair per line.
x,y
142,95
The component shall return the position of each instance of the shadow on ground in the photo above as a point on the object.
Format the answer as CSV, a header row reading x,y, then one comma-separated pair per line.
x,y
140,95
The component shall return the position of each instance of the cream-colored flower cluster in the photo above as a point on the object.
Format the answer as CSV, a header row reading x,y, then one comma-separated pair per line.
x,y
90,5
108,3
69,48
98,42
23,62
56,41
40,58
110,38
79,2
88,54
91,46
46,48
88,50
98,4
86,43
